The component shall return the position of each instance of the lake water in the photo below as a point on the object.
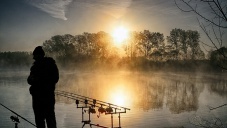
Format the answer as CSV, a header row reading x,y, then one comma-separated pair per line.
x,y
157,100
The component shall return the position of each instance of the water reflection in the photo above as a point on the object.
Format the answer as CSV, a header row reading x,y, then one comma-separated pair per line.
x,y
119,96
179,93
155,99
183,97
219,87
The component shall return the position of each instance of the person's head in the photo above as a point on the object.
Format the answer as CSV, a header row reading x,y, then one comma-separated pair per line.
x,y
38,53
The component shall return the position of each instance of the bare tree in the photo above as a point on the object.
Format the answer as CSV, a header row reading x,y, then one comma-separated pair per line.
x,y
216,10
212,18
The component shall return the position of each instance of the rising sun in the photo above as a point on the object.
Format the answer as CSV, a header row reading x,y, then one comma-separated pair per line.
x,y
120,34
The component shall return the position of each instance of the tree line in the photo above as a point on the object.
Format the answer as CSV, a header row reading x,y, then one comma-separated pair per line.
x,y
181,45
15,59
142,49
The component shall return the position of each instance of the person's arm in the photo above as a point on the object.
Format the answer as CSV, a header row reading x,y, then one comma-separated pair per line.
x,y
33,78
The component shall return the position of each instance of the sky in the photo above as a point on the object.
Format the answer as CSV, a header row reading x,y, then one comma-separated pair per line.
x,y
25,24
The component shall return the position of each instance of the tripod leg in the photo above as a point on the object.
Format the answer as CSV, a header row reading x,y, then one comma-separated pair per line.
x,y
83,125
16,125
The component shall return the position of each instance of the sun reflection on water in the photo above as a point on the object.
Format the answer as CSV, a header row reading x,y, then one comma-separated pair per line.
x,y
119,96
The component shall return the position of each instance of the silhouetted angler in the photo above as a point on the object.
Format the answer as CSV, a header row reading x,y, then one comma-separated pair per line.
x,y
43,78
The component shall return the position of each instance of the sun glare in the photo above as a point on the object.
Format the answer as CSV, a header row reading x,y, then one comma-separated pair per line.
x,y
120,34
119,99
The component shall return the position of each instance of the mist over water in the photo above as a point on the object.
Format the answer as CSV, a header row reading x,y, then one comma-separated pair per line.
x,y
156,99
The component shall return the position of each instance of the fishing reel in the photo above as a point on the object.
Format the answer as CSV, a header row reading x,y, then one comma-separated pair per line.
x,y
15,119
92,110
102,110
109,109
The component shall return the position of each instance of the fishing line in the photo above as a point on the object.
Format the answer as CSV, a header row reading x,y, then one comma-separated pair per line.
x,y
17,115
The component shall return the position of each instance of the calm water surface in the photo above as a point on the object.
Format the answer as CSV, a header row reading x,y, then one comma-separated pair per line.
x,y
156,99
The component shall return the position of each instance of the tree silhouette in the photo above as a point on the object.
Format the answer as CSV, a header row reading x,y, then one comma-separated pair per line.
x,y
212,18
60,47
185,44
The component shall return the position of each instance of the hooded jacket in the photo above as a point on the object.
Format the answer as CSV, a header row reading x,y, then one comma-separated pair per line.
x,y
43,77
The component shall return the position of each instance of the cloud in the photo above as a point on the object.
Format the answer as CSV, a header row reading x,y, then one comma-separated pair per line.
x,y
56,8
115,8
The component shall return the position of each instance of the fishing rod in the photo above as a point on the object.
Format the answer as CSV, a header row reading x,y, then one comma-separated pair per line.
x,y
87,101
110,108
97,101
14,118
90,104
211,108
